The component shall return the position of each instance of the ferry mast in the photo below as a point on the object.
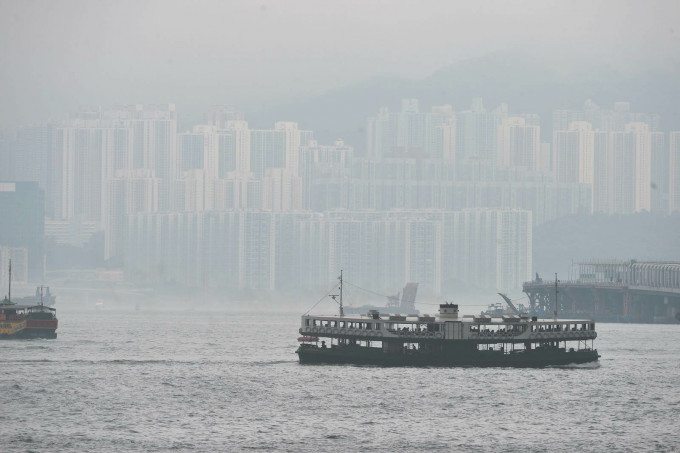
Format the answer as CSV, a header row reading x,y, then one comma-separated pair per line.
x,y
334,296
556,281
342,311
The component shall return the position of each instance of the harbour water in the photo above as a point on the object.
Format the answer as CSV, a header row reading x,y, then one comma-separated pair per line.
x,y
220,381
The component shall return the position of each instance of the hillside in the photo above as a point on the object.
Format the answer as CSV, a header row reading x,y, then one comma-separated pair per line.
x,y
528,85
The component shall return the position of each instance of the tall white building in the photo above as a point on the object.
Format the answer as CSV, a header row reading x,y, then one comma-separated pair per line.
x,y
519,144
326,174
574,151
220,115
154,129
602,170
476,131
86,155
198,150
131,191
234,148
630,169
281,190
412,134
292,139
660,161
674,172
489,248
195,191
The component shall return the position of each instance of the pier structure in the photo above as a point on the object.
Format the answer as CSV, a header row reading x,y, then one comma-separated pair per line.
x,y
612,291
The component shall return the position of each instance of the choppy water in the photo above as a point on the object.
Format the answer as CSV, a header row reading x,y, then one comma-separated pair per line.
x,y
188,381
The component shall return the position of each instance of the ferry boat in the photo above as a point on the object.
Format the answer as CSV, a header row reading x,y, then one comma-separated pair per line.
x,y
445,340
26,321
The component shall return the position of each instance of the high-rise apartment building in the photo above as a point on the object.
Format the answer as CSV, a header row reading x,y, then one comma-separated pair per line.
x,y
674,172
476,131
574,151
604,120
326,172
631,169
198,150
659,174
86,154
154,129
411,134
489,248
130,191
221,115
281,190
602,170
519,144
233,144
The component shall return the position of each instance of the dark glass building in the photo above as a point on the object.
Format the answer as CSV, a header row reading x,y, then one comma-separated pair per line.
x,y
22,215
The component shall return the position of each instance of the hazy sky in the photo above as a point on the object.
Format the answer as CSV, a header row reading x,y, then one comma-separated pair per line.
x,y
55,55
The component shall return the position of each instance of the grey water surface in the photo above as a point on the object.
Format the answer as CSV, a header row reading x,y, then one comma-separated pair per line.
x,y
200,381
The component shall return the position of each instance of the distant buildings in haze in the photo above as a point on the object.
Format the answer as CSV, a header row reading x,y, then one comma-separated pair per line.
x,y
266,207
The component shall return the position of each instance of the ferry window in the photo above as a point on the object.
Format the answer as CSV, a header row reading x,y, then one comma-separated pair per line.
x,y
307,322
342,323
368,325
377,326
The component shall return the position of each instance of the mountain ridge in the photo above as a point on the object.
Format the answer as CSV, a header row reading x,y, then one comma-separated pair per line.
x,y
526,84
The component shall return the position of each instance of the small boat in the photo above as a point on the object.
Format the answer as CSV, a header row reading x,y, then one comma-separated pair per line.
x,y
26,321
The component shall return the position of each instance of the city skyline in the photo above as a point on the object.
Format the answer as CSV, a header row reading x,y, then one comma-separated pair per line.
x,y
118,170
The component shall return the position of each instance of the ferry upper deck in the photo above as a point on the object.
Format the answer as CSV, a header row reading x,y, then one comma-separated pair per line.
x,y
448,326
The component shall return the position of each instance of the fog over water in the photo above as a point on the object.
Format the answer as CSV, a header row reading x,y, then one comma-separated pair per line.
x,y
57,55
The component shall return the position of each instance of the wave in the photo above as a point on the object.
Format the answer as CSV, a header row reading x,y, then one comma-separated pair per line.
x,y
270,362
580,366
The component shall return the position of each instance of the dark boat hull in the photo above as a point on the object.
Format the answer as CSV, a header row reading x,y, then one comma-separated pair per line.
x,y
31,333
375,356
37,333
